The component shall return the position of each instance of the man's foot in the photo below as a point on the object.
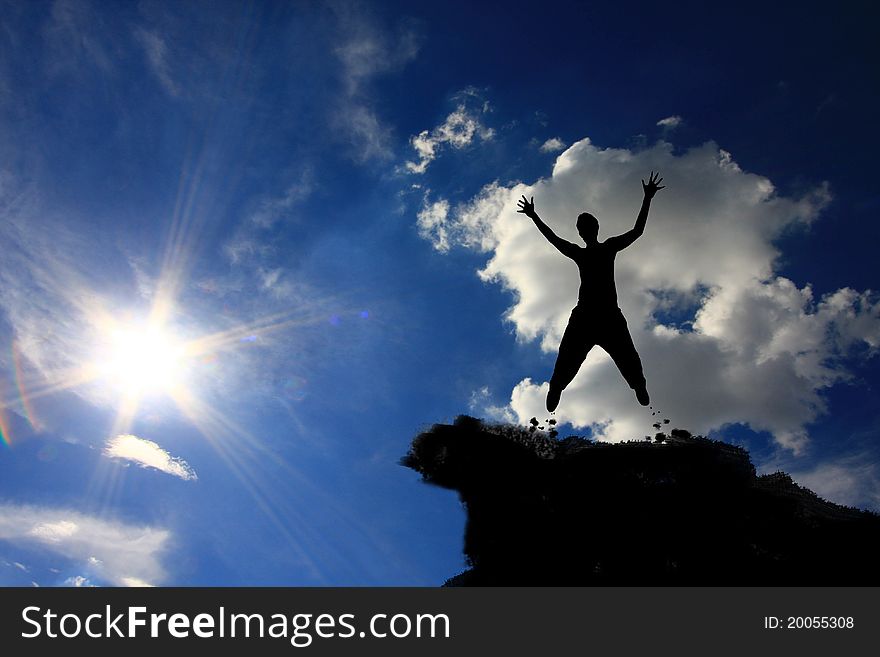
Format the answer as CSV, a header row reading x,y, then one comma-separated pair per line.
x,y
553,398
642,396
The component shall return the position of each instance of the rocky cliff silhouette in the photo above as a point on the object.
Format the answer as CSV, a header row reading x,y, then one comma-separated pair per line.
x,y
677,510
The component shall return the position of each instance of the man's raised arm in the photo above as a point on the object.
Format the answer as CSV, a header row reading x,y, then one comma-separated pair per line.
x,y
650,188
527,208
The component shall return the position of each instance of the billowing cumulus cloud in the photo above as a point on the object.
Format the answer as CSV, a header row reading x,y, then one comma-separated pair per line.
x,y
110,551
723,338
147,454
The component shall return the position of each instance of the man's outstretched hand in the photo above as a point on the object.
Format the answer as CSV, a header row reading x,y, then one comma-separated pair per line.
x,y
527,207
652,186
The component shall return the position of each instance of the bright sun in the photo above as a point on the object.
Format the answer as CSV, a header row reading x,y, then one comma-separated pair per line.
x,y
142,359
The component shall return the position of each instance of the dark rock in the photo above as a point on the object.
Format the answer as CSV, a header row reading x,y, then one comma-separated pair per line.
x,y
690,512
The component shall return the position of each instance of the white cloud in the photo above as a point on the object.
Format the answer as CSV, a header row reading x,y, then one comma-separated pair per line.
x,y
459,130
156,52
851,480
54,532
135,582
113,551
147,454
244,246
432,221
43,285
271,277
78,581
366,51
759,350
270,210
369,137
552,145
471,226
481,404
74,34
670,122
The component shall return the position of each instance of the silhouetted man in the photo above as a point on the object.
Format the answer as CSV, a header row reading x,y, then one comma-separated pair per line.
x,y
596,319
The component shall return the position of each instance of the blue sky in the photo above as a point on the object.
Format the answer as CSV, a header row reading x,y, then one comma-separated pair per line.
x,y
249,250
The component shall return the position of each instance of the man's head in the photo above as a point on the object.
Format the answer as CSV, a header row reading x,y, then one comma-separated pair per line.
x,y
588,227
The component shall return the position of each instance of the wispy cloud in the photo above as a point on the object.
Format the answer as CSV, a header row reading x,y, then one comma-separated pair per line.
x,y
243,247
482,405
148,454
469,225
74,36
156,52
853,480
367,50
116,552
670,122
461,128
433,223
43,284
272,209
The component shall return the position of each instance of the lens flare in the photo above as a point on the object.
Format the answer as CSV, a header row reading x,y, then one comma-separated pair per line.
x,y
295,388
26,401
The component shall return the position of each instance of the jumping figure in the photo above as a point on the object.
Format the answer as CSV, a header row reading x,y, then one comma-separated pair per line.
x,y
596,319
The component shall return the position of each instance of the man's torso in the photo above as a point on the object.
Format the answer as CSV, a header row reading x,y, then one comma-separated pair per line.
x,y
596,266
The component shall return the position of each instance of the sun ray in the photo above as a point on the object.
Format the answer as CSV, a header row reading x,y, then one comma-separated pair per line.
x,y
244,453
71,378
236,447
259,327
132,359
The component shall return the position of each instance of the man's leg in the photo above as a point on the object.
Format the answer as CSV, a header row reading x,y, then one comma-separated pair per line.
x,y
619,345
573,350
